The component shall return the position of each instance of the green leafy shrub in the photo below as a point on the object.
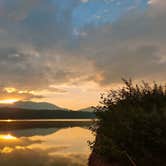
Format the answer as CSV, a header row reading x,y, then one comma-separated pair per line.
x,y
131,126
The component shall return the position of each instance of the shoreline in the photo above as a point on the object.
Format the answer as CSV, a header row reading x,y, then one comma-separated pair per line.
x,y
20,124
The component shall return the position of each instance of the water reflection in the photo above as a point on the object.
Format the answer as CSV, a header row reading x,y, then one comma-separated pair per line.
x,y
45,147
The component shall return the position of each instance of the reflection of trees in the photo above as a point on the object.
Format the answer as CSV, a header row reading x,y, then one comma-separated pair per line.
x,y
16,125
34,131
28,131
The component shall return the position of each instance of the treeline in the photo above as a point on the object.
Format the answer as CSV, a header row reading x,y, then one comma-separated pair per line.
x,y
132,125
17,113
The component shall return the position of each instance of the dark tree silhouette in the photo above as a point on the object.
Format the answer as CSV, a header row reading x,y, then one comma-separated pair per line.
x,y
131,126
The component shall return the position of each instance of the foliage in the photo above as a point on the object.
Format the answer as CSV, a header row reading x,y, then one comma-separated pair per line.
x,y
131,126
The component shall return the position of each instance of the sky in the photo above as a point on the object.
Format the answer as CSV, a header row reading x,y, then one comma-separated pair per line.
x,y
67,52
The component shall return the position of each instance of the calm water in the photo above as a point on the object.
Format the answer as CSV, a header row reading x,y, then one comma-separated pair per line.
x,y
45,120
46,146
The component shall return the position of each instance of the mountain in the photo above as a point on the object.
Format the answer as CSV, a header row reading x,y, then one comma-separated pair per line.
x,y
40,110
35,105
88,109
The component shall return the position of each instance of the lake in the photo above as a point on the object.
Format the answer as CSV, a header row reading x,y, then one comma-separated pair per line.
x,y
55,143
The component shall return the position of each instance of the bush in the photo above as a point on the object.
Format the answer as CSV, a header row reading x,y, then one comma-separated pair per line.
x,y
131,126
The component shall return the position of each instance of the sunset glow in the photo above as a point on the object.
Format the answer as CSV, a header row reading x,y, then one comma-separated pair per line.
x,y
82,82
7,137
10,90
8,101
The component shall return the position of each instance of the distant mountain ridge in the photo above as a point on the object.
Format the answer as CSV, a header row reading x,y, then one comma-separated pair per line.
x,y
41,110
33,105
41,106
87,109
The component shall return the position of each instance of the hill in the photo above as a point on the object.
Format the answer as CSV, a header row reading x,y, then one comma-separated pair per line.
x,y
88,109
34,105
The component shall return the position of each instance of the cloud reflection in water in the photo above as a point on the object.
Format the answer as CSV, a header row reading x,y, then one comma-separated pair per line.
x,y
66,147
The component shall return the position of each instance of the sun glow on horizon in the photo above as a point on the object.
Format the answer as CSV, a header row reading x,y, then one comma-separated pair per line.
x,y
8,101
7,137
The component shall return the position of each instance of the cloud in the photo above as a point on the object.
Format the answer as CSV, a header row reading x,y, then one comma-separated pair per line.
x,y
156,3
13,143
38,46
18,10
131,47
84,1
18,151
7,93
158,6
32,48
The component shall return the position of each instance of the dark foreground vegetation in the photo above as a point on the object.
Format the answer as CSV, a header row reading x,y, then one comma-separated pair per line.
x,y
132,126
18,113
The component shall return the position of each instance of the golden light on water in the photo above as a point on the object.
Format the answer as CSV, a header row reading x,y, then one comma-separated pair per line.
x,y
7,137
9,120
8,101
6,150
